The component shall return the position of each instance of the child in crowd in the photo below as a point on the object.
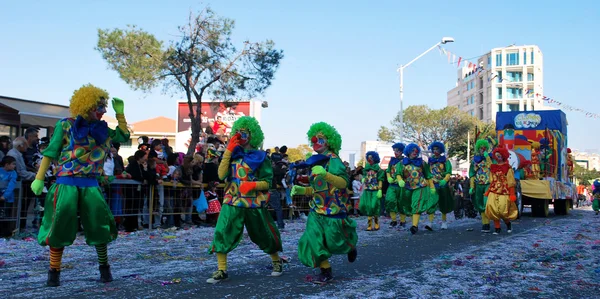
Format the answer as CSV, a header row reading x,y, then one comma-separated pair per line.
x,y
8,180
356,192
214,206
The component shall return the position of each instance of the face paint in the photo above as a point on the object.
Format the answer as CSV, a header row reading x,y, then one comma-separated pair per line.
x,y
318,144
244,137
397,153
414,154
436,151
482,150
370,160
499,157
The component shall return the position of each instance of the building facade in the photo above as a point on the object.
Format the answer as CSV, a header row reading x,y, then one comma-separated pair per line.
x,y
505,79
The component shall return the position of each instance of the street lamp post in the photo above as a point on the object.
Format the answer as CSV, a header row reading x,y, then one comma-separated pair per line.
x,y
444,40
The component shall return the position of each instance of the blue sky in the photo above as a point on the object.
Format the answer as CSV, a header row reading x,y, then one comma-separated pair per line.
x,y
340,56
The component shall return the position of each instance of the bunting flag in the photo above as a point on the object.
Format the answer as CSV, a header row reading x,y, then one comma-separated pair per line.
x,y
562,105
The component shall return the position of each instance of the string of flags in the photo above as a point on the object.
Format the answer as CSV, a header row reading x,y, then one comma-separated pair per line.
x,y
477,69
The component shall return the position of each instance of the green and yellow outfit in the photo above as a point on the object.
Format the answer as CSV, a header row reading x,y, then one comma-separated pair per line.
x,y
370,199
479,173
329,230
394,194
415,175
441,170
245,209
80,148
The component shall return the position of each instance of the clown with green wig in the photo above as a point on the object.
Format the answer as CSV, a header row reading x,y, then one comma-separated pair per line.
x,y
79,145
329,230
370,199
441,170
414,175
479,173
394,194
248,173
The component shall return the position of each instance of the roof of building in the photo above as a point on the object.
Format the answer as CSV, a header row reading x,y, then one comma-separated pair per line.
x,y
33,113
159,124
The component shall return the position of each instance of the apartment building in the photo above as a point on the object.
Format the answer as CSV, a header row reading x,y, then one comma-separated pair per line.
x,y
505,79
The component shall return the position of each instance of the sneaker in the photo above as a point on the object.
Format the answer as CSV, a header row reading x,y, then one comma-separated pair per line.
x,y
496,231
277,268
105,275
53,278
429,226
414,229
325,276
444,225
485,228
218,276
509,227
352,255
393,224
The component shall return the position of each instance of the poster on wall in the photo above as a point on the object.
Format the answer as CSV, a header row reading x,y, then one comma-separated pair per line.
x,y
219,116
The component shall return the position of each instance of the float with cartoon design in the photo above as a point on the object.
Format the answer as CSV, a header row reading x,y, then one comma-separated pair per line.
x,y
537,142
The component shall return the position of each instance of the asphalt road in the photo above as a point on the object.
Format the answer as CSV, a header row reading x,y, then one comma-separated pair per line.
x,y
393,250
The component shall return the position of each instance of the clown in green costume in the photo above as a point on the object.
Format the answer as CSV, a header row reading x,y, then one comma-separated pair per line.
x,y
441,170
414,175
370,199
479,173
394,202
329,230
80,145
248,173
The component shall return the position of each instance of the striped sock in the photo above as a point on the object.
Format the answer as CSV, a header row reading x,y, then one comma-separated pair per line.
x,y
56,257
102,251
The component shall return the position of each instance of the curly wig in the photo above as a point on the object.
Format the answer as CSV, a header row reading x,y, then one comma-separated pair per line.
x,y
503,153
438,145
374,156
85,99
410,148
596,185
481,143
251,124
334,139
399,146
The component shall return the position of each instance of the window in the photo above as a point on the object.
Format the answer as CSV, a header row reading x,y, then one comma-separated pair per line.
x,y
471,100
10,131
514,76
490,60
499,93
529,77
512,59
459,91
472,112
531,93
532,57
499,77
525,57
480,85
499,107
514,93
513,107
498,59
458,107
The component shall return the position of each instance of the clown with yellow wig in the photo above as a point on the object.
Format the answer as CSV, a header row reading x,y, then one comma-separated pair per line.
x,y
248,173
329,230
79,145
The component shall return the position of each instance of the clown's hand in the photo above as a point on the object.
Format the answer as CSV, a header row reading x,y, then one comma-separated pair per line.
x,y
37,186
443,183
298,190
390,180
118,106
233,142
432,190
379,194
471,191
319,171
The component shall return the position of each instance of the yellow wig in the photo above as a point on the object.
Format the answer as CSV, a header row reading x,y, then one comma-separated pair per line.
x,y
85,99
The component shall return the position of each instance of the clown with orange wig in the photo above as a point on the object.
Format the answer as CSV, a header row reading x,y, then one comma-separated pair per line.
x,y
80,145
501,194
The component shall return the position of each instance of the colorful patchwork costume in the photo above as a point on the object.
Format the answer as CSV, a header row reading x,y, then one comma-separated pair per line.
x,y
394,193
441,170
248,173
479,174
501,195
329,230
80,145
414,175
596,197
370,199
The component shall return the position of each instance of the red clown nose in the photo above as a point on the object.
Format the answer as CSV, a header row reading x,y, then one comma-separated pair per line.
x,y
314,139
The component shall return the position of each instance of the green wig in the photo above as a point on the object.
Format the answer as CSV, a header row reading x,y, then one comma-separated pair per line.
x,y
481,143
334,139
251,124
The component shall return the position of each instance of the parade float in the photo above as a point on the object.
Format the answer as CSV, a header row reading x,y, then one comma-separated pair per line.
x,y
537,142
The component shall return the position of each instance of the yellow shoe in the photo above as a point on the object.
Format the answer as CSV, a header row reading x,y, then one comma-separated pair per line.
x,y
376,223
370,226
